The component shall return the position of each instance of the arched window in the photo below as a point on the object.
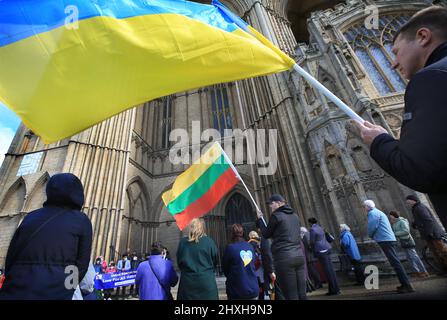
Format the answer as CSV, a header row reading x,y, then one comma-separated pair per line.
x,y
220,107
239,210
373,48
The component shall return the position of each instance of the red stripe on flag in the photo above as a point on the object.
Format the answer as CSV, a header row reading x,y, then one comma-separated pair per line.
x,y
208,201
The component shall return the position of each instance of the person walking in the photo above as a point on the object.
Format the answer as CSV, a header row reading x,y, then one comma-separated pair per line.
x,y
322,250
238,265
288,256
379,229
429,229
49,240
401,229
156,276
349,246
197,259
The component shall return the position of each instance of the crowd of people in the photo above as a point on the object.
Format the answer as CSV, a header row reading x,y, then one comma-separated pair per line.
x,y
282,259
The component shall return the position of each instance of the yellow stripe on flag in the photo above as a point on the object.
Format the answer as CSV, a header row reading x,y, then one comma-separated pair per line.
x,y
64,81
194,172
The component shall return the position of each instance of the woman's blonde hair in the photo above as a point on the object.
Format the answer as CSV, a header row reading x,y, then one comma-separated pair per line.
x,y
253,235
196,229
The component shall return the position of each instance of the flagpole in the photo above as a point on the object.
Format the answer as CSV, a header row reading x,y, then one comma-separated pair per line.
x,y
327,93
240,179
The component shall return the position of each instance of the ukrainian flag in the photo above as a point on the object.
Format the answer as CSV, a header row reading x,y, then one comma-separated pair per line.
x,y
66,65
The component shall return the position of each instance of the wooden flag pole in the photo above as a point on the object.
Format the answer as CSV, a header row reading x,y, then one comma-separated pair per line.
x,y
240,179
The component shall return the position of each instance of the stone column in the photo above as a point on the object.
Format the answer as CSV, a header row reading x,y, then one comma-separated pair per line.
x,y
99,157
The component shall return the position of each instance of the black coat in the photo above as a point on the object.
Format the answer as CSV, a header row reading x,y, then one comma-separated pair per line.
x,y
426,224
419,159
266,254
37,270
284,229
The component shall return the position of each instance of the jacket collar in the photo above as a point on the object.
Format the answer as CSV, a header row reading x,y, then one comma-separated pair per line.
x,y
439,53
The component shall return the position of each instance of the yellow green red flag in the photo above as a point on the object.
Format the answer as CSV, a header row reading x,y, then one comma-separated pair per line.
x,y
197,190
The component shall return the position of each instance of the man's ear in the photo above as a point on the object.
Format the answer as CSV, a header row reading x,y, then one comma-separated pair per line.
x,y
424,36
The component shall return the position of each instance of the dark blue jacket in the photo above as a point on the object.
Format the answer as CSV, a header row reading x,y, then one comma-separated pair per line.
x,y
318,240
419,158
37,270
238,266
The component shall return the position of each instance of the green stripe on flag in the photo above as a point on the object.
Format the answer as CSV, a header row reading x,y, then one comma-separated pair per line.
x,y
200,186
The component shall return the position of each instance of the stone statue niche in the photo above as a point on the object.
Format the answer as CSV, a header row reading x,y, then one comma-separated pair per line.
x,y
360,157
334,162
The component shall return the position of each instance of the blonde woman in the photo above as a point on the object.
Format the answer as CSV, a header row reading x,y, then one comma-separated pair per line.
x,y
197,259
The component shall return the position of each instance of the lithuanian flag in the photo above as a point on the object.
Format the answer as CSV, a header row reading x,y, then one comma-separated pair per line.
x,y
197,190
66,65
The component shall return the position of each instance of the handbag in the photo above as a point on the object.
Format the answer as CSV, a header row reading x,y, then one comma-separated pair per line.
x,y
407,243
168,292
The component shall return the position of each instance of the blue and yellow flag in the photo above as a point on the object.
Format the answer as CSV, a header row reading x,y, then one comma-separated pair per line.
x,y
66,65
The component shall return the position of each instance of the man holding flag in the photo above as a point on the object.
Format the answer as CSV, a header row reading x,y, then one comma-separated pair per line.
x,y
288,255
419,158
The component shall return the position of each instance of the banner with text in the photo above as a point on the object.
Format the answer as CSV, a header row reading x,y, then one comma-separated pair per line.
x,y
114,280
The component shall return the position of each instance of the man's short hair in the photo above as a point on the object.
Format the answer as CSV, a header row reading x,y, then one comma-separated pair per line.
x,y
370,204
433,18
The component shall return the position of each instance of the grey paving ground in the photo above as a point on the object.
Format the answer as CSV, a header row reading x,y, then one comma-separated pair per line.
x,y
432,288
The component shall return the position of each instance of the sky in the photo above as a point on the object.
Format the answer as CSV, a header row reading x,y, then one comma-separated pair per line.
x,y
9,123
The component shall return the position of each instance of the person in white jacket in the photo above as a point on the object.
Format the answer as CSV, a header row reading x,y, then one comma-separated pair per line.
x,y
85,289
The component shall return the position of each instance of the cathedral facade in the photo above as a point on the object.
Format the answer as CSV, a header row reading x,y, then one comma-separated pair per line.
x,y
323,169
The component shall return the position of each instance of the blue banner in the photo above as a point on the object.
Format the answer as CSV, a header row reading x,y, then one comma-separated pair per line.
x,y
113,280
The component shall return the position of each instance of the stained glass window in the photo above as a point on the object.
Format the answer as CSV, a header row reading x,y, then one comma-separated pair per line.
x,y
220,109
373,49
30,164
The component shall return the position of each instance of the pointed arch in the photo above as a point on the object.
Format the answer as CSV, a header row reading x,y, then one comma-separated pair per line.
x,y
135,216
14,198
136,190
37,196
